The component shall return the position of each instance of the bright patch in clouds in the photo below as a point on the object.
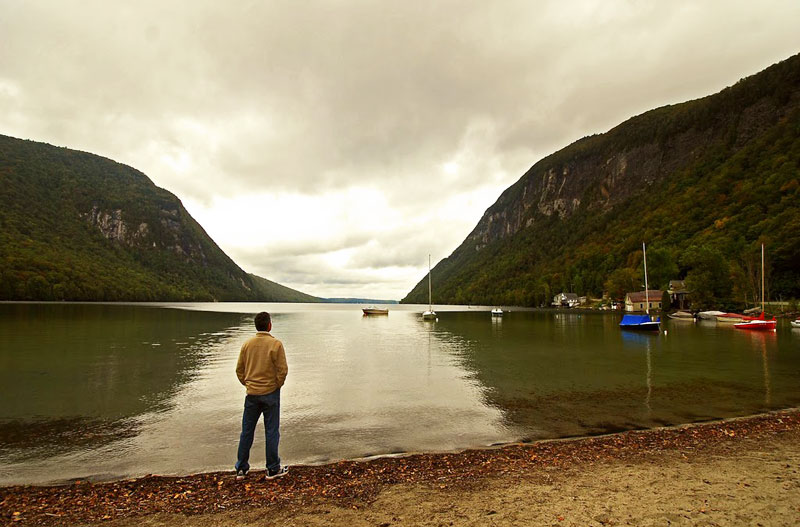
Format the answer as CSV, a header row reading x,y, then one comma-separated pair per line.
x,y
354,237
451,168
179,162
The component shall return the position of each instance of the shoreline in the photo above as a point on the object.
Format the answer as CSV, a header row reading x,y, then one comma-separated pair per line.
x,y
355,484
107,479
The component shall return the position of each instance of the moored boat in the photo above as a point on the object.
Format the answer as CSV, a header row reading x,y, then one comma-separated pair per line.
x,y
759,324
733,318
497,312
372,310
795,323
682,315
639,323
430,314
709,315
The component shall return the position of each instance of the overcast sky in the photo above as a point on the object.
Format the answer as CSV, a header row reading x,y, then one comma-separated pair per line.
x,y
331,145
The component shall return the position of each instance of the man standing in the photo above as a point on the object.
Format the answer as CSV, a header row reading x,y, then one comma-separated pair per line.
x,y
262,370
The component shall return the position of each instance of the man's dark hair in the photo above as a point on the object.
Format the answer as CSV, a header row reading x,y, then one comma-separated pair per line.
x,y
262,321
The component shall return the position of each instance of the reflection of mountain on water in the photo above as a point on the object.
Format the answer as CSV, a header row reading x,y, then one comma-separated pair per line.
x,y
564,374
25,439
75,374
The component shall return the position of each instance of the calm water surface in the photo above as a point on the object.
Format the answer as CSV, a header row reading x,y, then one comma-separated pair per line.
x,y
109,391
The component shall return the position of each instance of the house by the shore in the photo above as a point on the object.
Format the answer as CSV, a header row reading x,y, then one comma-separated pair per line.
x,y
678,293
642,301
566,300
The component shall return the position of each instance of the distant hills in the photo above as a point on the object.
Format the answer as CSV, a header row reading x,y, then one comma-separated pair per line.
x,y
358,301
704,183
270,291
76,226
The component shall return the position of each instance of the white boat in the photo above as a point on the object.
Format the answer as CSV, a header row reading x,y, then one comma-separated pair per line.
x,y
733,318
795,323
682,315
710,315
430,314
497,312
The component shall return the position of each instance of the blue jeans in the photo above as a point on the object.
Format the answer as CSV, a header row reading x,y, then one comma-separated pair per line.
x,y
254,406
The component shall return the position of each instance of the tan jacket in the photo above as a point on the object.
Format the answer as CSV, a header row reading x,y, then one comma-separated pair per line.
x,y
262,364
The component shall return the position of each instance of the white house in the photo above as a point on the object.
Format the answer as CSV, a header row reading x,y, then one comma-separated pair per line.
x,y
566,300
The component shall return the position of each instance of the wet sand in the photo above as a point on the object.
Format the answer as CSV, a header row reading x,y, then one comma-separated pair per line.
x,y
736,472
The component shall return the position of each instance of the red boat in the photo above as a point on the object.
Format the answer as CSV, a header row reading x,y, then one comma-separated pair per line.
x,y
758,324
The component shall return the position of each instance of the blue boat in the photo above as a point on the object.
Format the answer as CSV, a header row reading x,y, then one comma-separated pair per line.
x,y
640,323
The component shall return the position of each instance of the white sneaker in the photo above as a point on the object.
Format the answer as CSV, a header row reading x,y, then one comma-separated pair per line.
x,y
282,471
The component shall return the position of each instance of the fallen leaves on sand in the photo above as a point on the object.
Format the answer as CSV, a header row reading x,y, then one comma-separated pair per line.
x,y
351,483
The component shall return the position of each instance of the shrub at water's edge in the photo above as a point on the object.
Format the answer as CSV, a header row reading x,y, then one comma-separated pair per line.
x,y
704,183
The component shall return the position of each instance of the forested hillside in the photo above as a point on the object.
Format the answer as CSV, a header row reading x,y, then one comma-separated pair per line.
x,y
704,183
76,226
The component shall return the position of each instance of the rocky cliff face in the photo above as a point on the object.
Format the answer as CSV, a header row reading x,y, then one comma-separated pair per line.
x,y
113,227
593,173
169,234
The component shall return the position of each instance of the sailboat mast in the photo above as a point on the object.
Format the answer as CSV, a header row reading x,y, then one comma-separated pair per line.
x,y
430,302
646,293
762,277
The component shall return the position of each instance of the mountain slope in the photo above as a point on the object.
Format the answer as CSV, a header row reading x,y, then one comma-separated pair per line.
x,y
703,183
76,226
269,291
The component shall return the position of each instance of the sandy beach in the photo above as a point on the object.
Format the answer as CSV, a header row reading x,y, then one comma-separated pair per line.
x,y
737,472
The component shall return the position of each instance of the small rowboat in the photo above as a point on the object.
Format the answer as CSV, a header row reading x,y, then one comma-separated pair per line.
x,y
682,315
374,311
758,324
710,315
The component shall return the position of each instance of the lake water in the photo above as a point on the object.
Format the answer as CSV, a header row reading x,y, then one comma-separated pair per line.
x,y
115,390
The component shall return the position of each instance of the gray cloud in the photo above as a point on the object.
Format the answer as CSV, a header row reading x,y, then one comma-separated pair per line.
x,y
305,248
213,99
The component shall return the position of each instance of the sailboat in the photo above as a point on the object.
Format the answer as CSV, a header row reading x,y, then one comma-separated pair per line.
x,y
430,314
642,322
759,323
